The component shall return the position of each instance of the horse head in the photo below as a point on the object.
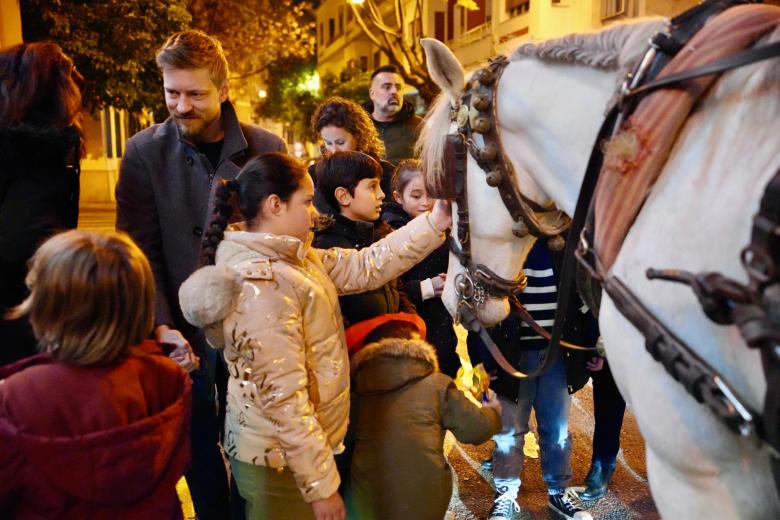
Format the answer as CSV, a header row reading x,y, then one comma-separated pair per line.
x,y
537,145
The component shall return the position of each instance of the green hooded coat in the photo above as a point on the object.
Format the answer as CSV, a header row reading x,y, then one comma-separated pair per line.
x,y
402,406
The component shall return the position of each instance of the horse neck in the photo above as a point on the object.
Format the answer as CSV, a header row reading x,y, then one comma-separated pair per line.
x,y
549,114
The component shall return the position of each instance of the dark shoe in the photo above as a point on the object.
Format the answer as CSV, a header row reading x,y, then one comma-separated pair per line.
x,y
505,505
597,480
563,504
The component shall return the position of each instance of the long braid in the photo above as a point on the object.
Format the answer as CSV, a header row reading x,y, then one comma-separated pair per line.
x,y
223,209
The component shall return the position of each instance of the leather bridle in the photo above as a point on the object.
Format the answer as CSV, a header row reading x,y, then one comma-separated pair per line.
x,y
477,114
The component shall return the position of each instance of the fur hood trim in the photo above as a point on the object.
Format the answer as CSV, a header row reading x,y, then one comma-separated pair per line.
x,y
396,348
208,296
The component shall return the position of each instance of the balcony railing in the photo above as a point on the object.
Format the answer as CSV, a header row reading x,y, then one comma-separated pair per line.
x,y
474,35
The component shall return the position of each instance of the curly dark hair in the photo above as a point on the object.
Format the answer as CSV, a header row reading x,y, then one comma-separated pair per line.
x,y
343,113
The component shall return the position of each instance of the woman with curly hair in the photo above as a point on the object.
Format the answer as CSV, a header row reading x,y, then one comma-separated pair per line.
x,y
345,126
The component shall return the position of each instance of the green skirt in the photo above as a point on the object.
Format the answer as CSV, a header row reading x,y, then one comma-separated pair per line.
x,y
269,495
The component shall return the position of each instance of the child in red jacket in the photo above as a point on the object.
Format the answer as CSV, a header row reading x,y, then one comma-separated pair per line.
x,y
97,424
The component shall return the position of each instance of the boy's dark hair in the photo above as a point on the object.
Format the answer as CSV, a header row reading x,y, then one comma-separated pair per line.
x,y
392,329
384,68
344,170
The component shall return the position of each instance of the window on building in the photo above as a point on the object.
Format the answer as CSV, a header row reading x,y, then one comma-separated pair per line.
x,y
377,59
364,63
331,30
613,8
341,21
476,18
438,25
451,19
518,7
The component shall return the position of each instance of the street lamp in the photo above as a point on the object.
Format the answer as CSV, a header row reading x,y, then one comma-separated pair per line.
x,y
262,93
356,2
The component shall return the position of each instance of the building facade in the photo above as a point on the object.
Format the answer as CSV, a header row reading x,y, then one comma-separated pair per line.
x,y
474,35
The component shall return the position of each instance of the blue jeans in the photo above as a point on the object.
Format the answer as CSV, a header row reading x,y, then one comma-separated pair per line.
x,y
549,398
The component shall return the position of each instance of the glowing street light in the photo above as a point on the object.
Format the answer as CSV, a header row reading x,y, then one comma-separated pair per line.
x,y
356,2
262,93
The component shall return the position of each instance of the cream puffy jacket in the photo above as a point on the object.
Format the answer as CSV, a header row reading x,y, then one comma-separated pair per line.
x,y
272,303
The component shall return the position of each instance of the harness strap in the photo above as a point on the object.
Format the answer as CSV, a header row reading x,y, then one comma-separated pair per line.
x,y
521,311
733,61
684,365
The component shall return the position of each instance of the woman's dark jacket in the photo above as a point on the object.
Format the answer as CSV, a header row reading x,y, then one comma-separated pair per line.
x,y
356,234
39,195
437,319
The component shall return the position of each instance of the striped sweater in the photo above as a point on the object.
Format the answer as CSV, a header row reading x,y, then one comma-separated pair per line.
x,y
540,296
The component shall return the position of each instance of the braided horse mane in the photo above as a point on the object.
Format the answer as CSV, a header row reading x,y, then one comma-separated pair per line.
x,y
611,49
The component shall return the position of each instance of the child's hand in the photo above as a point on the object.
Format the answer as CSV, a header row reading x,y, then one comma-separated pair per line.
x,y
185,357
331,508
441,216
595,364
492,401
182,351
438,283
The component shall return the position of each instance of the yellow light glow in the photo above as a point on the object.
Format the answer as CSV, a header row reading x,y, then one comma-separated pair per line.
x,y
262,93
355,2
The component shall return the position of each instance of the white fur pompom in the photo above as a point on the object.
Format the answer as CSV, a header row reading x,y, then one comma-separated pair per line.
x,y
209,294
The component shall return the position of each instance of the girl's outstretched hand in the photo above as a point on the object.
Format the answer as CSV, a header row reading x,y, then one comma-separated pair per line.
x,y
441,215
331,508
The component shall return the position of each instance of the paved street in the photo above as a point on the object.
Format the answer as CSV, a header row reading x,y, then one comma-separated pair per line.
x,y
629,495
97,216
628,498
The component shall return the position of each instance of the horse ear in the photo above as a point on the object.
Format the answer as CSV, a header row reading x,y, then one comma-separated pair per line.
x,y
446,71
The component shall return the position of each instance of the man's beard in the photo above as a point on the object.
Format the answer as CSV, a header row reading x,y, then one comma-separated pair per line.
x,y
194,129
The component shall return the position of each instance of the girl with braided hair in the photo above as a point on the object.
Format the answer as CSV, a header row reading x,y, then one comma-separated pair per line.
x,y
270,300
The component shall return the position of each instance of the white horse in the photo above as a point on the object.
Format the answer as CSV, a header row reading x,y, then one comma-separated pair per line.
x,y
551,101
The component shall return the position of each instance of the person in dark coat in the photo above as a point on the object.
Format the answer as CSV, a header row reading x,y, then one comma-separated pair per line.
x,y
164,199
344,126
350,181
394,118
547,395
41,143
97,424
402,407
423,283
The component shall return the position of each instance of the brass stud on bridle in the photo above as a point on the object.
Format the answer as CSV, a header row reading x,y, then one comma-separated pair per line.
x,y
556,243
481,125
493,178
481,102
488,153
485,76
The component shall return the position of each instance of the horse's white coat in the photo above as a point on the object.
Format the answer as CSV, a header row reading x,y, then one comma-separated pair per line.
x,y
697,218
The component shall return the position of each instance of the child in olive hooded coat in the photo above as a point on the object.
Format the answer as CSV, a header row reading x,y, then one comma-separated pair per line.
x,y
401,408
